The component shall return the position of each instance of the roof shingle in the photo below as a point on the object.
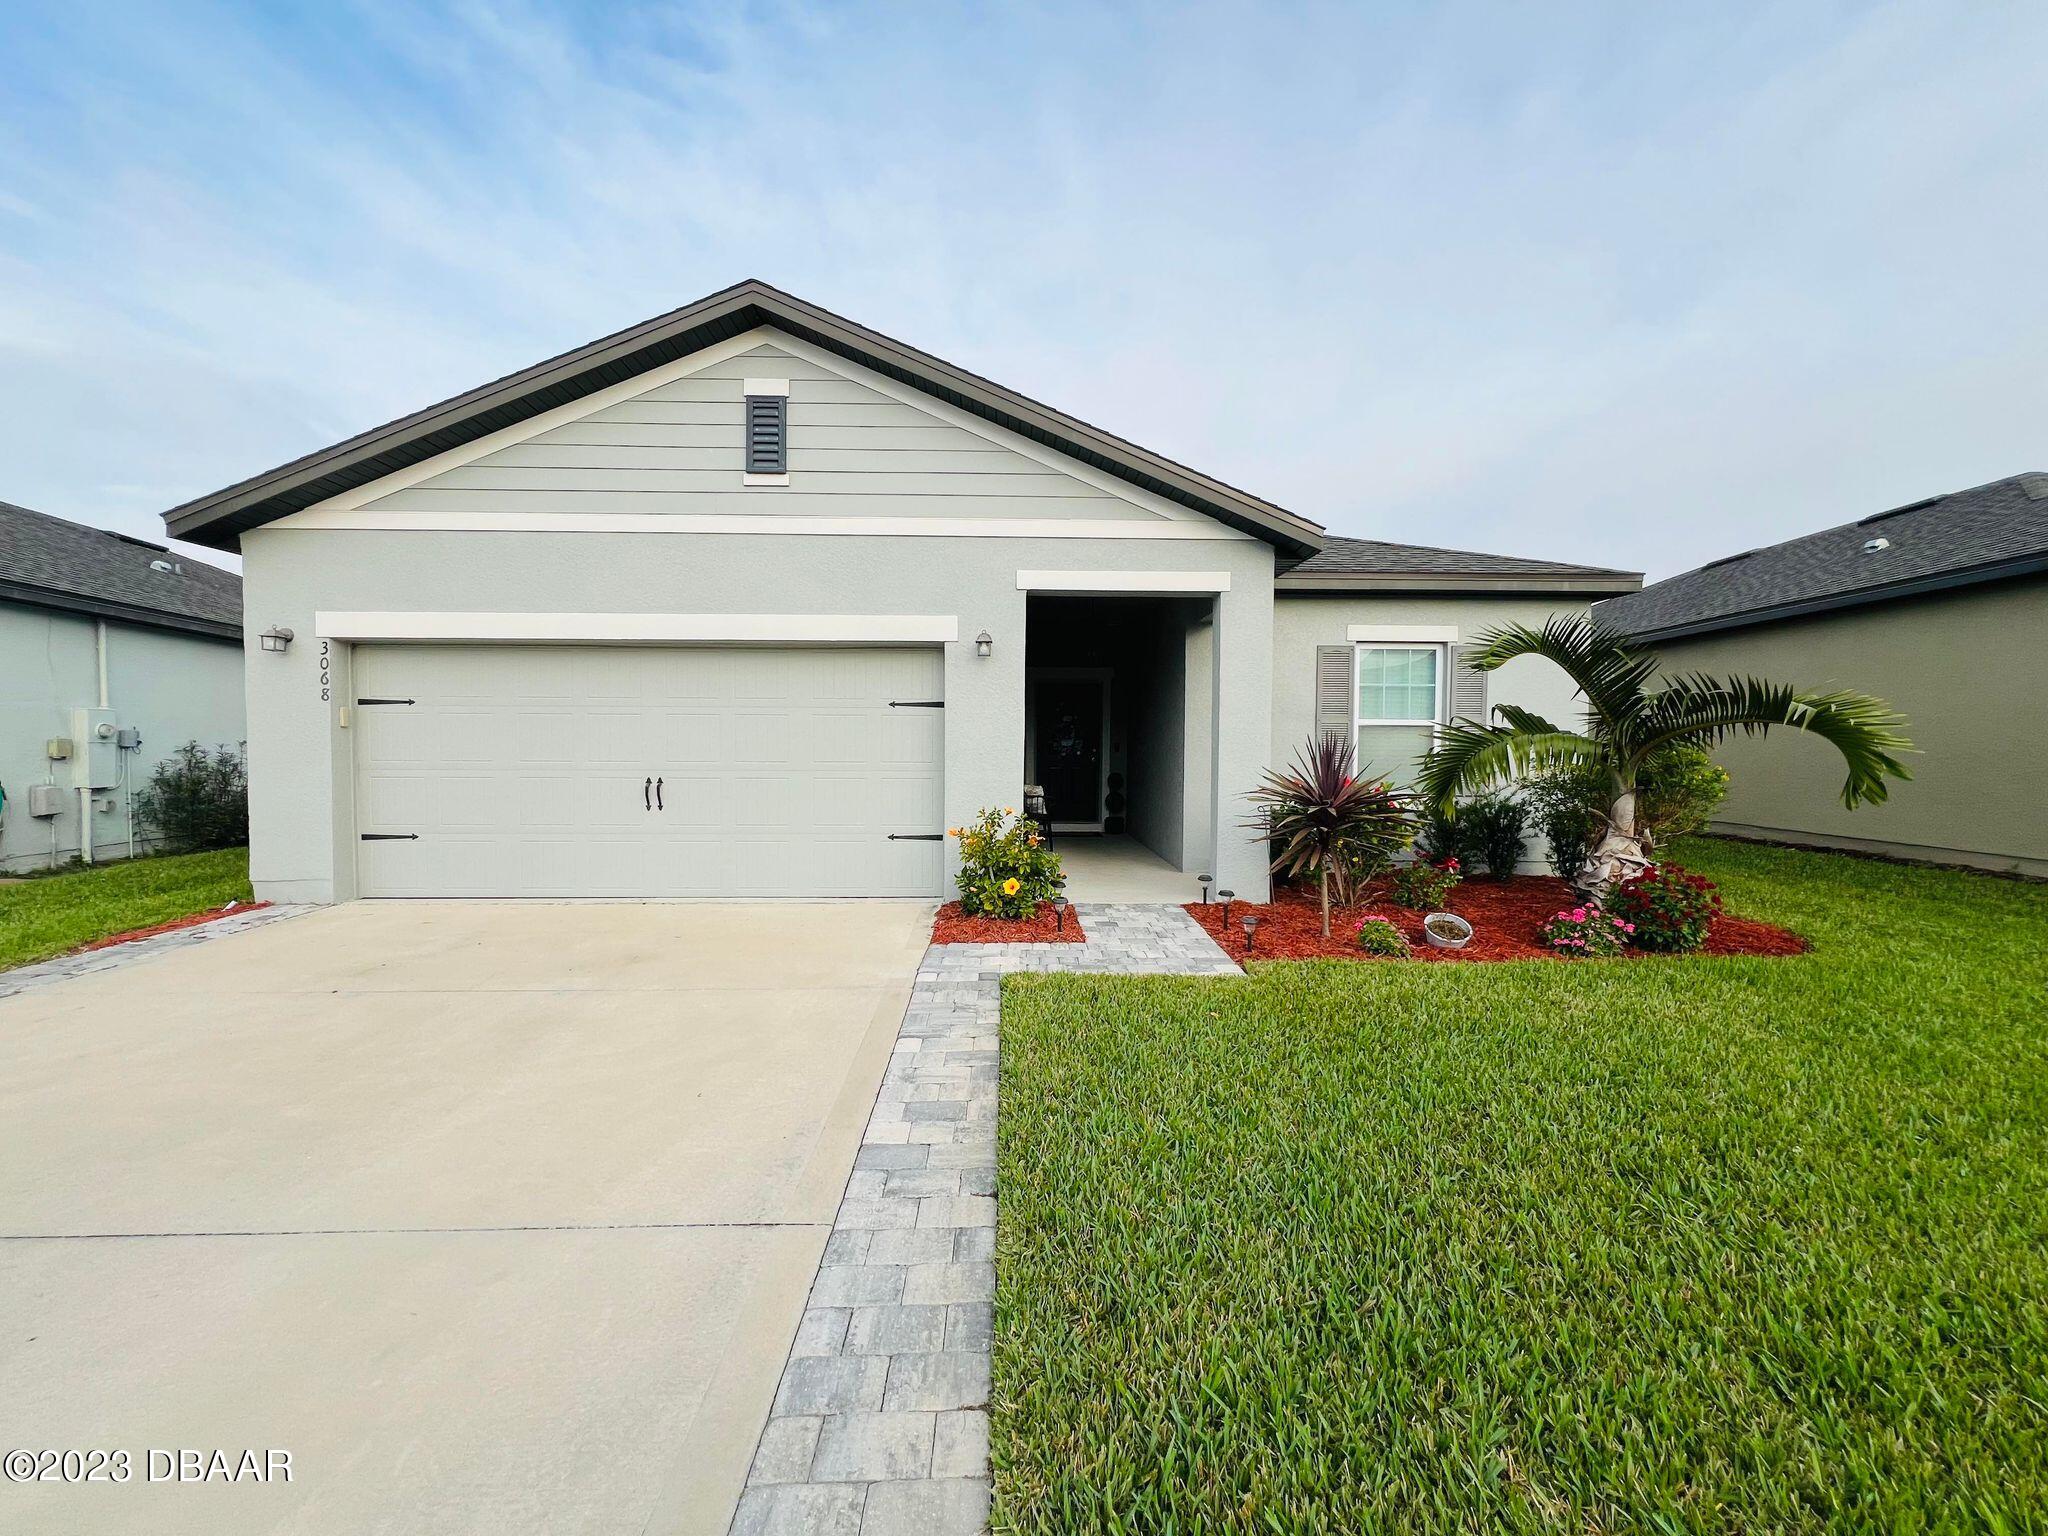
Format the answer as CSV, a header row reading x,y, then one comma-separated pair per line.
x,y
58,564
1366,562
1981,534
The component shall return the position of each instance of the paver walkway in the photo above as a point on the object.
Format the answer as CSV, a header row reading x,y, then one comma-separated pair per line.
x,y
880,1424
25,978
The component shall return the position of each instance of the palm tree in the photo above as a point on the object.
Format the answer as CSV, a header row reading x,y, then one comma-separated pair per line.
x,y
1322,811
1628,721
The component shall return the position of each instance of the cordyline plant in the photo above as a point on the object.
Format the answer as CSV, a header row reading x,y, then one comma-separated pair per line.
x,y
1628,722
1321,812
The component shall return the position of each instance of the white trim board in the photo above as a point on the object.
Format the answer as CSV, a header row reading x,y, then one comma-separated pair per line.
x,y
327,517
1123,581
645,628
1402,634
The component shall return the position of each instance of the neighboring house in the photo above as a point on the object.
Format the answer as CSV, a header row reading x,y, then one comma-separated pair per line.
x,y
750,600
1940,608
114,652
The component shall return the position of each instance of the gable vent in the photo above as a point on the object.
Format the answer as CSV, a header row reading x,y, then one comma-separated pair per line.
x,y
767,434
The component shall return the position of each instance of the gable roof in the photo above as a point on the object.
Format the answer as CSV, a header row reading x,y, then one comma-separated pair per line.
x,y
1352,564
221,518
50,563
1982,534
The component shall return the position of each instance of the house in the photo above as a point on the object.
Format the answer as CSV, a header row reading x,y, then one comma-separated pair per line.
x,y
114,652
750,600
1940,608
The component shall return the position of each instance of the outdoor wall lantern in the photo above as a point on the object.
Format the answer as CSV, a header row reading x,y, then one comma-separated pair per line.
x,y
1251,926
984,645
276,639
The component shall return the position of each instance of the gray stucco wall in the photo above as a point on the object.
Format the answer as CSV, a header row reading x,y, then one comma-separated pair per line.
x,y
1159,707
1304,621
173,687
1968,669
303,833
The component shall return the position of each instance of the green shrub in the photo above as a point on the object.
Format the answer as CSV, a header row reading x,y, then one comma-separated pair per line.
x,y
1007,869
196,799
1671,910
1491,831
1678,792
1425,886
1565,808
1379,936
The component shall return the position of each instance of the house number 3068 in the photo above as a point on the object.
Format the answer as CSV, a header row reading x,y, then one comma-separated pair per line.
x,y
326,675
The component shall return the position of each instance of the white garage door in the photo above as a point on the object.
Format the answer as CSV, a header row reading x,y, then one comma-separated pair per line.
x,y
508,770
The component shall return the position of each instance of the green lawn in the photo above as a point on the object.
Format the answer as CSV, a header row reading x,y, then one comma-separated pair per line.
x,y
49,916
1658,1246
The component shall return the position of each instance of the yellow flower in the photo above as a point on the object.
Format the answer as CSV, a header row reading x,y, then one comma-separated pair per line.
x,y
1009,811
952,831
1011,886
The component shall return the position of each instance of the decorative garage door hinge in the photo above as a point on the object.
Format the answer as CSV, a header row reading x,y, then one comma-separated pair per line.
x,y
361,702
917,703
917,837
391,837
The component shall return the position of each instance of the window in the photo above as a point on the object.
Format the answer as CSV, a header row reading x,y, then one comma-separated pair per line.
x,y
1399,702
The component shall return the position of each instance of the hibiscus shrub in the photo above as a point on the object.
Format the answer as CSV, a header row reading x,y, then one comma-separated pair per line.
x,y
1671,909
1007,869
1585,932
1426,884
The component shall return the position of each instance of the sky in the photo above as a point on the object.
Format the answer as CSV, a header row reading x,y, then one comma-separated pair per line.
x,y
1632,285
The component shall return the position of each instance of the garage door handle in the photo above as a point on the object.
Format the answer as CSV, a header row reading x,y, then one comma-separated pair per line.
x,y
647,795
917,703
917,837
657,796
391,837
361,702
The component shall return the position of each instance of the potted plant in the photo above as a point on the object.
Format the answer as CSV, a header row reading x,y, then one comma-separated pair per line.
x,y
1446,930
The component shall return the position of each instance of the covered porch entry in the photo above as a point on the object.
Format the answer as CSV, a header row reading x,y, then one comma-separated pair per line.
x,y
1119,736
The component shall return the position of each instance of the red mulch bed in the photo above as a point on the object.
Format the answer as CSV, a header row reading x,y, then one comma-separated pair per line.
x,y
1504,915
193,920
952,926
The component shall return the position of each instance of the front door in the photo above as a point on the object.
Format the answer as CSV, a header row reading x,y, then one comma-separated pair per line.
x,y
1067,726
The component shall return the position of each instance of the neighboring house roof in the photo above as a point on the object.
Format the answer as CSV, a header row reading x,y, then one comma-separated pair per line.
x,y
1982,534
51,563
1347,565
221,518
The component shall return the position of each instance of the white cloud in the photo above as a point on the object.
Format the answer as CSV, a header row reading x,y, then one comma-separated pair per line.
x,y
1629,287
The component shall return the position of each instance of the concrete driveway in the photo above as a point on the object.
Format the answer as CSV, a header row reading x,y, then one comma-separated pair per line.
x,y
494,1217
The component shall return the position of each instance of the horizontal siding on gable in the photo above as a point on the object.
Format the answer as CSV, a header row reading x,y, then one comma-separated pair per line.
x,y
764,500
816,482
726,455
636,434
853,451
700,387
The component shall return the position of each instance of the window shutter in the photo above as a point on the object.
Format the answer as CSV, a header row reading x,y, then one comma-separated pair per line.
x,y
1468,687
767,435
1336,709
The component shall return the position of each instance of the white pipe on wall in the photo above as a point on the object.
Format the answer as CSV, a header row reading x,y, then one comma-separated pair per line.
x,y
85,830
